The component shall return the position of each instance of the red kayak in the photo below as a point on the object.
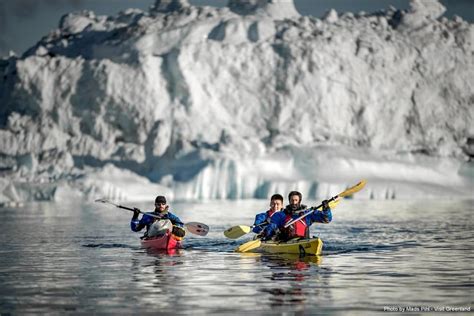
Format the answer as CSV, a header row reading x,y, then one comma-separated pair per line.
x,y
168,241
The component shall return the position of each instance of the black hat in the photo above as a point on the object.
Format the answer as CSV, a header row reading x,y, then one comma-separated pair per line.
x,y
160,199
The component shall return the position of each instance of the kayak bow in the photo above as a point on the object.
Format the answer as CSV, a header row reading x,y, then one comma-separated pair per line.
x,y
167,241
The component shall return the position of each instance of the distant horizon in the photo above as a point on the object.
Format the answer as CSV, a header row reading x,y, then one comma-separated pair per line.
x,y
23,22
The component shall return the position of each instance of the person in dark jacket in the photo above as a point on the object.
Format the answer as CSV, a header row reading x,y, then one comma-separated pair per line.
x,y
262,219
300,229
158,221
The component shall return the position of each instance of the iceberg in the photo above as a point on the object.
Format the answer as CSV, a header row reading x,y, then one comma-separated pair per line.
x,y
243,101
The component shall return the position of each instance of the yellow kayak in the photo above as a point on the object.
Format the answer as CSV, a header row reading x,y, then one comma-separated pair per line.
x,y
311,246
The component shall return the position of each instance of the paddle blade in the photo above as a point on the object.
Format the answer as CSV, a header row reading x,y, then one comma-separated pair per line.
x,y
248,246
356,188
237,231
332,204
106,201
102,201
197,228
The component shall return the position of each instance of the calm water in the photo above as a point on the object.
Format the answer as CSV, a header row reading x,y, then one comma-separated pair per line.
x,y
82,258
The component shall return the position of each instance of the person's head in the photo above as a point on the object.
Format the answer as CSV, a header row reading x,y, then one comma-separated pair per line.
x,y
276,202
160,203
294,199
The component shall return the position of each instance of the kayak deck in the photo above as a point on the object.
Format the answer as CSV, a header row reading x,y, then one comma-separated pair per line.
x,y
310,246
167,241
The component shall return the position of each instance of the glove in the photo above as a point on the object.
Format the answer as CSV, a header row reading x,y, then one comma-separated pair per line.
x,y
136,212
325,204
178,231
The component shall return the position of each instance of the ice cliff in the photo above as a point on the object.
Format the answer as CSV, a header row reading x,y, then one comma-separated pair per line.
x,y
240,102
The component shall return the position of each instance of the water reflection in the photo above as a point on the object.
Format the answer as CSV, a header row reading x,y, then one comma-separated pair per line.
x,y
154,274
164,252
57,258
292,279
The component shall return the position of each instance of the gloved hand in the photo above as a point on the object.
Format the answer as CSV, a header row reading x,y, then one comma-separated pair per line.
x,y
136,212
178,231
325,204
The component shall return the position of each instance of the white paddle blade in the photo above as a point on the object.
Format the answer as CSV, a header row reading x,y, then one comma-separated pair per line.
x,y
197,228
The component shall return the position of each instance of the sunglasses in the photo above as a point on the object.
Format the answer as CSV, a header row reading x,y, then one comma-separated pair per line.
x,y
161,203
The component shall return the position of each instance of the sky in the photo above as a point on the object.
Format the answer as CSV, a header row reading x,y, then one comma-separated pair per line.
x,y
24,22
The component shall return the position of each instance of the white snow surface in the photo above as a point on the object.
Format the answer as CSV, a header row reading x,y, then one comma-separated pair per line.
x,y
240,102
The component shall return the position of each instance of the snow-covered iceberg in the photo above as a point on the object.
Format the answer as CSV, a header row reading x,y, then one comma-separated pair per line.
x,y
240,102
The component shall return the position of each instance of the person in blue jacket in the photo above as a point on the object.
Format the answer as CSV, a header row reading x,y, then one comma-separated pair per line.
x,y
262,219
161,212
299,229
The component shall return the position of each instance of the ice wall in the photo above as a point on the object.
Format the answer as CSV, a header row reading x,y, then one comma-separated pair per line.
x,y
190,98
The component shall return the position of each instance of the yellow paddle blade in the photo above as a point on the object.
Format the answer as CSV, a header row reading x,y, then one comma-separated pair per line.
x,y
237,231
354,189
332,204
250,245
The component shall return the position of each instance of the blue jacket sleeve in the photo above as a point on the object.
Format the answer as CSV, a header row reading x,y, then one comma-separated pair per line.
x,y
137,225
175,220
277,221
320,217
259,219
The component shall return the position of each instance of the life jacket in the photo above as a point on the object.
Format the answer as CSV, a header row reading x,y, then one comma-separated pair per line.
x,y
297,229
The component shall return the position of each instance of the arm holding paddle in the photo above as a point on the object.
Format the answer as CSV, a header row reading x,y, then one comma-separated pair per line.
x,y
193,227
261,220
273,227
137,225
323,217
309,216
260,223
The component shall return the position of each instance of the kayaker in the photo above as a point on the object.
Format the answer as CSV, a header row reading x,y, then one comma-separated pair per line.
x,y
299,229
156,226
262,219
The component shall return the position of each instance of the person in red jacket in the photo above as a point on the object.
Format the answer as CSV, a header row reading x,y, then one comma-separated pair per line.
x,y
300,229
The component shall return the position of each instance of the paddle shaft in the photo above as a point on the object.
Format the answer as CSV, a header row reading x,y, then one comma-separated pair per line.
x,y
261,224
312,211
133,209
193,227
350,191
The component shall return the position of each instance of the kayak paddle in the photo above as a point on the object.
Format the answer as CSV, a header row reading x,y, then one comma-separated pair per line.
x,y
249,245
238,231
241,230
193,227
350,191
253,244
